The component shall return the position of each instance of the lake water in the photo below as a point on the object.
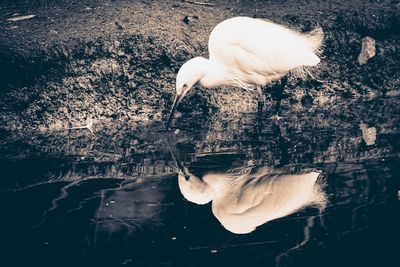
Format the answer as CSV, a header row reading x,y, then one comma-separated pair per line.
x,y
319,187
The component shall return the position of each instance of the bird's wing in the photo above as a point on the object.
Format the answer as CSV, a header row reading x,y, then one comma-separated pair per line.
x,y
259,47
247,68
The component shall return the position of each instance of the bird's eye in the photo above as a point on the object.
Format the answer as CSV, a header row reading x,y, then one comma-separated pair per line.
x,y
185,86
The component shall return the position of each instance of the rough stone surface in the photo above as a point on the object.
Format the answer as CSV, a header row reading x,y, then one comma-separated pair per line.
x,y
368,133
368,50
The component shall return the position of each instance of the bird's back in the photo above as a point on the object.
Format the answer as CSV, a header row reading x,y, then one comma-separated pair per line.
x,y
256,48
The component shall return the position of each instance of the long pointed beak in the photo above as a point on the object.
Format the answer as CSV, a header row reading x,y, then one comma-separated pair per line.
x,y
180,166
177,99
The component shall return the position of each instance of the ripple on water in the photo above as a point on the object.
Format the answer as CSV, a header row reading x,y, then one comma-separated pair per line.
x,y
114,197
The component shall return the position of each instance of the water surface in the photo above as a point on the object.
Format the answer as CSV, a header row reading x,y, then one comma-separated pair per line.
x,y
319,187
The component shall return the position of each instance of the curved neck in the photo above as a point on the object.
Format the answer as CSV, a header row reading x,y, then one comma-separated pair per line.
x,y
215,75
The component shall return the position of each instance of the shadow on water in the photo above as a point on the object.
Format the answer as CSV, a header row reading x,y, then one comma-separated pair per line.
x,y
319,187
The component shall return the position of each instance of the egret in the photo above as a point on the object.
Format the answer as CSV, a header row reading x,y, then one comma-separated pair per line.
x,y
249,53
243,198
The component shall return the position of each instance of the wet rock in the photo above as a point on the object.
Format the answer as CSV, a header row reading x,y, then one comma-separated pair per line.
x,y
186,20
369,134
132,85
368,50
119,26
307,100
189,19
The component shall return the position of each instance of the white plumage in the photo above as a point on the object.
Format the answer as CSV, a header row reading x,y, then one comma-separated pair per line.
x,y
242,201
248,53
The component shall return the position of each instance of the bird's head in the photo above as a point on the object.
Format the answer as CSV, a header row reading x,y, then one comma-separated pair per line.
x,y
194,189
188,75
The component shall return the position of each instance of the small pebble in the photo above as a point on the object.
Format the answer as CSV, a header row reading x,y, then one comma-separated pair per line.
x,y
186,20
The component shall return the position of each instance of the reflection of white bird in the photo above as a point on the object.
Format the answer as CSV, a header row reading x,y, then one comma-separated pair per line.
x,y
241,201
249,53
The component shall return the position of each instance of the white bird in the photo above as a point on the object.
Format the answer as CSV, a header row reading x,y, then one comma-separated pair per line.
x,y
249,53
244,199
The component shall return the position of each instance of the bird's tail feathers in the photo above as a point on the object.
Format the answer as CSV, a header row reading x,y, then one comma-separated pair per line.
x,y
316,38
303,72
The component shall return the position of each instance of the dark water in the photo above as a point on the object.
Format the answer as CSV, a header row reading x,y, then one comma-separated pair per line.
x,y
113,198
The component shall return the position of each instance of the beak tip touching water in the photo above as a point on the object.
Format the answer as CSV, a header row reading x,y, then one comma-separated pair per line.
x,y
168,124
